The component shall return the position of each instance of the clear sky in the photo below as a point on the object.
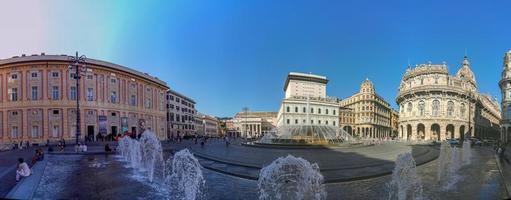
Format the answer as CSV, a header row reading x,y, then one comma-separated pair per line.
x,y
231,54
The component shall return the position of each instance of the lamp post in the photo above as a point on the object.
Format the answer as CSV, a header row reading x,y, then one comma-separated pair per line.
x,y
245,109
76,61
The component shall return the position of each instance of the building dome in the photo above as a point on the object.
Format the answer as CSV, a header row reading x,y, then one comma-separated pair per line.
x,y
465,72
367,86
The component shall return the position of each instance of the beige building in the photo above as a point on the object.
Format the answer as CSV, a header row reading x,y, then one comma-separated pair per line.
x,y
181,115
207,125
394,122
366,114
437,106
306,102
254,124
38,99
505,88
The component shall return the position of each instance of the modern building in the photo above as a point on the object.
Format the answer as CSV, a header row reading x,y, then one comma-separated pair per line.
x,y
181,115
437,106
366,114
505,88
39,94
306,102
254,124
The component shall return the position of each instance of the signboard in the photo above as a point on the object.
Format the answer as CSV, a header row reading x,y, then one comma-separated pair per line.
x,y
102,125
124,124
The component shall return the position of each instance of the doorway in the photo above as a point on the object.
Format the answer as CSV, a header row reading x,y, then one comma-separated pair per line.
x,y
90,133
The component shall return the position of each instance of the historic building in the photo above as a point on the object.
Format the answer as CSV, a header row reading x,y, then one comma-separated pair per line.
x,y
306,102
505,88
437,106
207,125
366,114
253,124
38,97
394,122
181,115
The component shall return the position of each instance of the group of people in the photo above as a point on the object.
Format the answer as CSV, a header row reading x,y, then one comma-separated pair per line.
x,y
20,145
500,150
38,156
81,147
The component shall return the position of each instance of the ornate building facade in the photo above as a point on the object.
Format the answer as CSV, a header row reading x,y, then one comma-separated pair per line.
x,y
253,124
366,114
38,99
434,105
505,88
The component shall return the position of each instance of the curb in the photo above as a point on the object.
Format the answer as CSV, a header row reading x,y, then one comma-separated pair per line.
x,y
506,183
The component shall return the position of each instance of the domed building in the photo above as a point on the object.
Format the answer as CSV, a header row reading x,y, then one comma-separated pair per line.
x,y
434,105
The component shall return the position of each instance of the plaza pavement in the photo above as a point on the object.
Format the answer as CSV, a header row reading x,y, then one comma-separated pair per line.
x,y
336,164
505,169
8,162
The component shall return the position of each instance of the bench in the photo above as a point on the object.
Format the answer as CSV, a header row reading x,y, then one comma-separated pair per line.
x,y
27,186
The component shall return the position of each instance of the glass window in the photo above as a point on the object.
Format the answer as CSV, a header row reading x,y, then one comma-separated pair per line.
x,y
462,110
421,108
72,92
450,108
133,100
13,94
55,92
287,109
35,93
409,107
14,76
113,97
35,131
90,94
14,132
55,74
34,74
435,107
296,109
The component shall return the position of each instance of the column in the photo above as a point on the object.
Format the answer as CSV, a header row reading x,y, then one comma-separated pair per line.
x,y
24,124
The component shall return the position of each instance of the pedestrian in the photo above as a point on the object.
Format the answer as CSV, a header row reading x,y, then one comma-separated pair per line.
x,y
23,169
107,148
227,141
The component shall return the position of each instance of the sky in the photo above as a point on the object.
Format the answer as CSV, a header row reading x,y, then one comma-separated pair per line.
x,y
232,54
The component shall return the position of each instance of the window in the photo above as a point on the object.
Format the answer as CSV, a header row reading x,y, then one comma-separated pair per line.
x,y
450,108
90,112
287,109
312,110
55,112
319,121
435,106
55,92
90,94
14,113
319,110
304,109
14,76
462,110
114,114
421,108
35,93
72,75
326,122
13,94
334,113
133,100
33,74
312,121
113,96
333,123
72,92
296,121
296,109
55,74
113,81
287,121
409,108
326,111
14,132
90,77
35,131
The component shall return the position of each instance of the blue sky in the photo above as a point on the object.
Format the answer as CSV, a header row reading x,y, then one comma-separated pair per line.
x,y
231,54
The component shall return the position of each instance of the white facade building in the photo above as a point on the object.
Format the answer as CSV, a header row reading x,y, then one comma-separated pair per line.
x,y
306,102
505,88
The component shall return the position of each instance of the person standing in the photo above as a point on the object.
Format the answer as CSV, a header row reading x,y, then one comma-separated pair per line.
x,y
23,169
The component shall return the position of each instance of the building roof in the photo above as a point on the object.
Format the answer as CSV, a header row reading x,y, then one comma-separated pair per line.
x,y
259,114
304,77
181,95
65,58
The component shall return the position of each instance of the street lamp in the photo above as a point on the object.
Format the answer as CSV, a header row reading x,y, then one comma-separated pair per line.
x,y
245,109
76,62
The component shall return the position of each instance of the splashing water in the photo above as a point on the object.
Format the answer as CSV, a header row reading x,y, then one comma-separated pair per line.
x,y
291,178
186,180
145,154
405,183
466,152
449,163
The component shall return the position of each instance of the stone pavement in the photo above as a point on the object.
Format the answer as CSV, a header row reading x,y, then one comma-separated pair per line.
x,y
336,164
505,169
8,162
27,185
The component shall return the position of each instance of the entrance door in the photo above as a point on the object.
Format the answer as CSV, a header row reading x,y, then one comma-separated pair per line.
x,y
55,131
114,131
90,132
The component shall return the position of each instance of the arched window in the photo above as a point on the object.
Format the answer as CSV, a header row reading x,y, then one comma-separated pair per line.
x,y
462,110
287,109
435,107
296,109
450,108
409,108
421,108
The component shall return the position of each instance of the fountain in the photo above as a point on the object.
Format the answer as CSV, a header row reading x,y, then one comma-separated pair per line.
x,y
466,152
291,178
449,164
405,183
185,180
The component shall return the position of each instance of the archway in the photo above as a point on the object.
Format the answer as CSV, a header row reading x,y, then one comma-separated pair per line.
x,y
462,131
421,133
449,131
435,131
408,132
